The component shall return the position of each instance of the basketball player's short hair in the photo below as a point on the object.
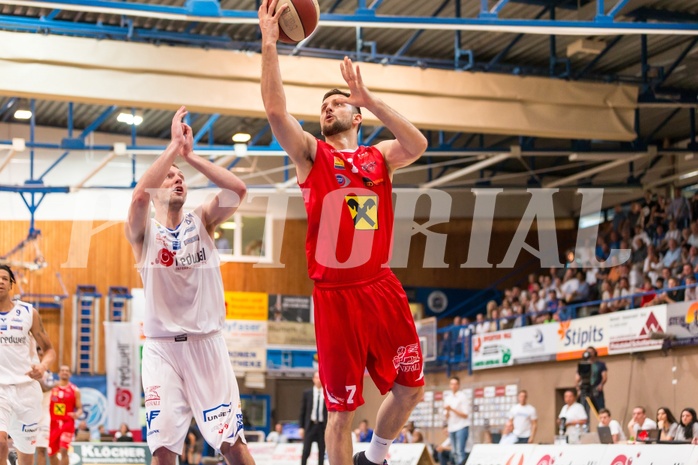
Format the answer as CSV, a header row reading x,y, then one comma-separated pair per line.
x,y
9,271
606,411
456,378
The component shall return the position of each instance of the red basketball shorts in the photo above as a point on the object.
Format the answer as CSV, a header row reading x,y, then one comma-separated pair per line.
x,y
365,325
60,436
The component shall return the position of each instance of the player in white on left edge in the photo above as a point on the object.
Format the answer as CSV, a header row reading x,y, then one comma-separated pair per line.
x,y
20,392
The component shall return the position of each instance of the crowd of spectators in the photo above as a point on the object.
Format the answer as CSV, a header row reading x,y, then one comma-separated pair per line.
x,y
662,236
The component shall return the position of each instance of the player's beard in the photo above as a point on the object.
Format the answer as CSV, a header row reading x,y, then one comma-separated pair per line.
x,y
335,127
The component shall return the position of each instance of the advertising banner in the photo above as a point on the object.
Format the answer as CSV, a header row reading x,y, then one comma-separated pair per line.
x,y
84,453
296,308
492,350
591,454
574,336
247,345
683,322
289,333
123,374
529,344
631,330
246,305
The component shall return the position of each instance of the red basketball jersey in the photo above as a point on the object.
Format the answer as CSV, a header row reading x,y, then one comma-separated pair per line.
x,y
348,199
62,402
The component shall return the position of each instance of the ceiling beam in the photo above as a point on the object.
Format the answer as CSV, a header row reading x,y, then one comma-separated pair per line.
x,y
595,170
467,170
526,26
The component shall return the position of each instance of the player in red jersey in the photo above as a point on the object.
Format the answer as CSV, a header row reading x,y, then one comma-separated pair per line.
x,y
362,318
65,407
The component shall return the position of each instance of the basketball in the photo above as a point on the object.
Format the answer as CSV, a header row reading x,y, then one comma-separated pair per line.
x,y
299,20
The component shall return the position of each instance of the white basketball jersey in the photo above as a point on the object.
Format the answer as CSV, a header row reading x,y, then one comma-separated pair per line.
x,y
182,280
16,349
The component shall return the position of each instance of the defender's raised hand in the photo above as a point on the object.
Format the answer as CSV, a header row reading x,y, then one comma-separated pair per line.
x,y
268,20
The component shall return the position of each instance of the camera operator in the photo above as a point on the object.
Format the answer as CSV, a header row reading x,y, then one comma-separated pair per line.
x,y
597,378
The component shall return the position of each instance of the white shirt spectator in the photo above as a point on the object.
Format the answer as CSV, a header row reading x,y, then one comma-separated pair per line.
x,y
647,424
693,240
457,401
522,416
616,429
510,438
482,327
570,286
573,412
644,237
673,234
691,294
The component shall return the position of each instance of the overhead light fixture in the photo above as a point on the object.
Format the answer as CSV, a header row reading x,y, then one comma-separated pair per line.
x,y
688,175
228,225
23,111
130,119
241,138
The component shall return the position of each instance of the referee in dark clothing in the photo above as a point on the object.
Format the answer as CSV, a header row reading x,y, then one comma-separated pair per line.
x,y
313,420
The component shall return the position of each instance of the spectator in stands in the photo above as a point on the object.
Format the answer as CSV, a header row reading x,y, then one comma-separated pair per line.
x,y
641,234
690,293
680,209
694,206
667,424
647,299
277,435
639,421
640,250
673,296
481,326
693,238
686,271
673,232
693,256
565,313
652,265
364,433
606,294
613,425
672,255
688,428
82,434
623,293
572,411
508,436
524,419
123,434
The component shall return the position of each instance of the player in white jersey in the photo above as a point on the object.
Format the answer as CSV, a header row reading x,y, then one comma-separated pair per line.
x,y
186,366
20,393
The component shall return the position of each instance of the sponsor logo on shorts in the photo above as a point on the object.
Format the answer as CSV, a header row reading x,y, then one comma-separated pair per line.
x,y
33,428
152,397
150,416
12,339
155,431
220,416
3,327
408,358
18,328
